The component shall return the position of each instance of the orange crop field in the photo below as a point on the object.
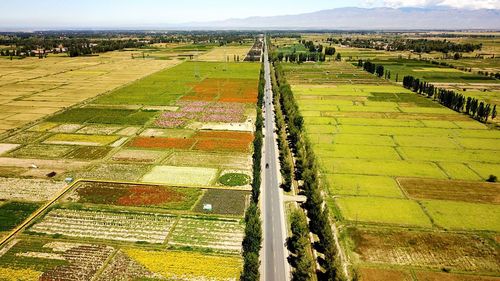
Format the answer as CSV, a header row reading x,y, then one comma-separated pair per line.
x,y
222,145
240,136
162,143
225,90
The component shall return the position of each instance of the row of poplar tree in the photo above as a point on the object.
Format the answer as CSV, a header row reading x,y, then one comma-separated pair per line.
x,y
252,241
451,99
471,106
306,169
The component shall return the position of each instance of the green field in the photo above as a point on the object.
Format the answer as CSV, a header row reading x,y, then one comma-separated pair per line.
x,y
76,139
430,72
166,86
364,185
104,116
383,210
464,216
13,213
369,134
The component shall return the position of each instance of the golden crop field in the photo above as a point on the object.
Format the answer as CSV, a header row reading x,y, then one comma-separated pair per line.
x,y
224,53
33,88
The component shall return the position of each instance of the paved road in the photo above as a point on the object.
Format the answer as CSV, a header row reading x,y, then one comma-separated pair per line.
x,y
275,265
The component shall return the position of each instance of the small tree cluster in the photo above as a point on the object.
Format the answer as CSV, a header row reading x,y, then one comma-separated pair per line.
x,y
313,53
418,86
298,57
330,51
372,68
300,247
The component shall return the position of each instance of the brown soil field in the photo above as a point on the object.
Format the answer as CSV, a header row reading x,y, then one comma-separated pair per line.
x,y
379,274
8,165
427,249
382,274
468,191
439,276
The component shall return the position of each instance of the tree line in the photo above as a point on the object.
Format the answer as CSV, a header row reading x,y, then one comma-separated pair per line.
x,y
415,45
285,154
300,247
73,47
252,241
307,170
48,39
77,43
462,68
298,244
76,49
255,52
451,99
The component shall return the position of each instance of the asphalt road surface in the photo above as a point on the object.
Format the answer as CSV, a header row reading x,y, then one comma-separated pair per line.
x,y
274,259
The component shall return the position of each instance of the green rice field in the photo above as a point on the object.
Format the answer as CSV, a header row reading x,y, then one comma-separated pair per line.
x,y
370,133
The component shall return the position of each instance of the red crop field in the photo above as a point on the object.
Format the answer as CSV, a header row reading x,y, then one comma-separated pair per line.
x,y
238,136
178,143
146,195
223,141
222,145
225,90
121,194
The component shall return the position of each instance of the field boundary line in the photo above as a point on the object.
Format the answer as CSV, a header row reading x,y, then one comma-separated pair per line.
x,y
47,205
35,215
166,185
105,265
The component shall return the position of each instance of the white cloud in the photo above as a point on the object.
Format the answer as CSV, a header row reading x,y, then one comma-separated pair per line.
x,y
467,4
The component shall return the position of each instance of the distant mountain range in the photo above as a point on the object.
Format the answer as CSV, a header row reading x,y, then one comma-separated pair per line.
x,y
431,18
439,18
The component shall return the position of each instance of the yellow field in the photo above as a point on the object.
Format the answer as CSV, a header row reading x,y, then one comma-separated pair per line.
x,y
177,265
33,88
225,52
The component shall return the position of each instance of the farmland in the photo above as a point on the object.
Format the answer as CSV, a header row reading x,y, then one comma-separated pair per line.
x,y
226,53
52,84
133,163
137,164
223,235
405,178
107,193
465,76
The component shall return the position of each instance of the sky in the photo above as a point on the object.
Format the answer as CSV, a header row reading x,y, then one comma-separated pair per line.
x,y
143,13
